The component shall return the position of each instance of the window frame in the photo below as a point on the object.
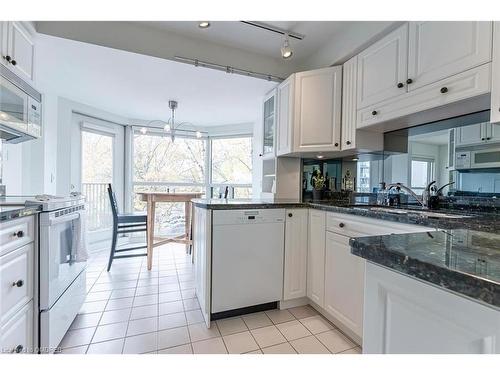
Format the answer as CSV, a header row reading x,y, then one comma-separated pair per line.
x,y
430,170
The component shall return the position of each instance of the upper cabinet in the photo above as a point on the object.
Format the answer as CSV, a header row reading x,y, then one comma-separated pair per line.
x,y
17,48
495,72
441,49
421,66
382,68
309,117
269,124
477,134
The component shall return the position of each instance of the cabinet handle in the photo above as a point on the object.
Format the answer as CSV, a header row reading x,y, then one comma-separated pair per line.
x,y
483,139
409,81
260,154
488,138
348,142
374,113
444,90
400,84
8,58
18,349
14,62
18,283
18,234
336,144
342,225
290,214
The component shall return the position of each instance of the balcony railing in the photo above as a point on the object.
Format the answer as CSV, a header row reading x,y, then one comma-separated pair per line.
x,y
99,216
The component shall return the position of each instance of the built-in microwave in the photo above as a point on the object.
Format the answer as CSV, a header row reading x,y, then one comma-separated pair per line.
x,y
478,159
20,109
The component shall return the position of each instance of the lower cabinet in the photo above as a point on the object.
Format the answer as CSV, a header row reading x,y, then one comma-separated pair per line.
x,y
16,335
316,257
344,283
295,281
404,315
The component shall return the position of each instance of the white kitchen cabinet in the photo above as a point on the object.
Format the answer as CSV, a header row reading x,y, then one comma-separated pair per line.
x,y
404,315
18,48
202,240
472,83
478,134
351,138
295,282
344,283
269,125
16,336
284,129
316,257
495,72
382,69
441,49
317,109
309,114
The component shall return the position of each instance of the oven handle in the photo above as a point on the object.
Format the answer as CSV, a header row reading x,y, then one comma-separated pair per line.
x,y
64,219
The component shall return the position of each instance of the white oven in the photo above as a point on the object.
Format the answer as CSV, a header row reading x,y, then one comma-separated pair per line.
x,y
61,277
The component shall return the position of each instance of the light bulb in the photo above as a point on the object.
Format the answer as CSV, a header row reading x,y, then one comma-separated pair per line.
x,y
198,134
166,127
286,50
144,130
204,24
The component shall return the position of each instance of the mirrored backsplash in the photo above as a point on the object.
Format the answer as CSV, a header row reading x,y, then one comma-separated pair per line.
x,y
463,152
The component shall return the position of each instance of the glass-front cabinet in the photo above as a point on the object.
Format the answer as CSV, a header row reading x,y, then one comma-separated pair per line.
x,y
269,126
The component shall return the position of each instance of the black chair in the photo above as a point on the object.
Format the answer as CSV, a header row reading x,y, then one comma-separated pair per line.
x,y
124,223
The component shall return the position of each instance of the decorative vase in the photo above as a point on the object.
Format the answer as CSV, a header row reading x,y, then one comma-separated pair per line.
x,y
317,195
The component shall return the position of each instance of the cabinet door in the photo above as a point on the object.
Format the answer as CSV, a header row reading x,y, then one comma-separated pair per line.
x,y
492,132
495,72
269,123
16,336
317,110
381,67
285,94
349,97
344,283
441,49
316,257
405,316
295,282
21,49
4,30
470,135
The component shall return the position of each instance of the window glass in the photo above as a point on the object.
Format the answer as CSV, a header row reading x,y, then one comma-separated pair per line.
x,y
232,160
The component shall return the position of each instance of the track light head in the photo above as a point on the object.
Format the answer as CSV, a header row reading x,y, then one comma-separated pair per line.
x,y
286,49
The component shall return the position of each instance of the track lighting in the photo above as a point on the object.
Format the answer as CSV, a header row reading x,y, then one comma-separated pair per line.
x,y
204,25
286,50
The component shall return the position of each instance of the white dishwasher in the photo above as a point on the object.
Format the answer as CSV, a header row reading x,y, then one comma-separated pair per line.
x,y
247,258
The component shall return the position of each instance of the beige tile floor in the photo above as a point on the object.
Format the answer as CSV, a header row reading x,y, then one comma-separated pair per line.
x,y
132,310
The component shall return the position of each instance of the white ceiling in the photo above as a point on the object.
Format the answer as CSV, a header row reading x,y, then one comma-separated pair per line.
x,y
437,138
138,86
239,35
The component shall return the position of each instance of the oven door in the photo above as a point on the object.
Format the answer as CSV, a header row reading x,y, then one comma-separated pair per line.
x,y
58,268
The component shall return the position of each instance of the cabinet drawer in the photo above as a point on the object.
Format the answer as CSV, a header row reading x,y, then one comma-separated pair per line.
x,y
16,233
16,335
471,83
16,281
355,226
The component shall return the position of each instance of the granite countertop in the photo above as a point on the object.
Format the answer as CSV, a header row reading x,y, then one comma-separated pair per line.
x,y
476,219
463,261
10,212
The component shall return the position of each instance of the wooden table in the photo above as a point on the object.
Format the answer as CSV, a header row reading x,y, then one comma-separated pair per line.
x,y
151,198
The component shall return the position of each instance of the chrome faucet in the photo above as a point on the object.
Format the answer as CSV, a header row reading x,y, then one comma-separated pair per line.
x,y
400,186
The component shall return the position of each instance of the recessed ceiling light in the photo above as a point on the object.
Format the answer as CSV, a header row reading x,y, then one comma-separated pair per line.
x,y
198,134
286,50
204,24
320,156
355,159
144,130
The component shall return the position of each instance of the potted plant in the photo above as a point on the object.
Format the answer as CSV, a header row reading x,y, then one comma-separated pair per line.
x,y
318,183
